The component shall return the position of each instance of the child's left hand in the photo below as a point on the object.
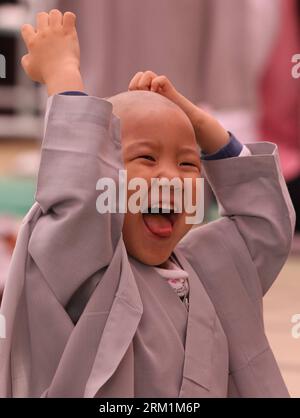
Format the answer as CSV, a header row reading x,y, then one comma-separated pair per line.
x,y
210,135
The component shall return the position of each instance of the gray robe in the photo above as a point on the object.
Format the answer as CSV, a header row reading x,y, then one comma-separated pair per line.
x,y
77,314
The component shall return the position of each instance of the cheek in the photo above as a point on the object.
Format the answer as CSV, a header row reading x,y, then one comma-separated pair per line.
x,y
183,228
136,169
197,186
129,225
191,189
130,232
195,190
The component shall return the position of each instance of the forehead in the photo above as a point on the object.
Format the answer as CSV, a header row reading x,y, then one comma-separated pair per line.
x,y
158,126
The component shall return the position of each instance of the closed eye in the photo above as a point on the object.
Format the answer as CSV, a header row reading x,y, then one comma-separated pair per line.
x,y
147,157
190,164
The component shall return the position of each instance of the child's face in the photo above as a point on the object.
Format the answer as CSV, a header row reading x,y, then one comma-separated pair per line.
x,y
157,141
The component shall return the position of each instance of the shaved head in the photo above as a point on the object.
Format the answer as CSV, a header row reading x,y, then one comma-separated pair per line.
x,y
137,106
123,103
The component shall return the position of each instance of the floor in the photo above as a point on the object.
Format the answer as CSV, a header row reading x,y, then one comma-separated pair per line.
x,y
281,303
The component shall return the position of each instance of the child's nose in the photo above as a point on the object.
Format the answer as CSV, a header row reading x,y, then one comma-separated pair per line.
x,y
168,171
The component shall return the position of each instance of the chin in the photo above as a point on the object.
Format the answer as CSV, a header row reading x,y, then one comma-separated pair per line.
x,y
150,258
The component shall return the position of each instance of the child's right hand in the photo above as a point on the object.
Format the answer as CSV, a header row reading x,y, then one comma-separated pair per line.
x,y
53,51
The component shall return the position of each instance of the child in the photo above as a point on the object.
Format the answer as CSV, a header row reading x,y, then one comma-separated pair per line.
x,y
136,305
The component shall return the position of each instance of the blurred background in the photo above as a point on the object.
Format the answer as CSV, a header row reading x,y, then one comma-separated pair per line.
x,y
233,57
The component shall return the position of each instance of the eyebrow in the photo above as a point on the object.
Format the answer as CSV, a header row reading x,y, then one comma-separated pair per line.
x,y
151,144
188,149
142,142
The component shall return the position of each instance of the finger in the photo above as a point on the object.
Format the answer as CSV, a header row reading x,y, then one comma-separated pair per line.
x,y
159,83
42,20
24,61
144,82
69,20
55,18
28,33
134,81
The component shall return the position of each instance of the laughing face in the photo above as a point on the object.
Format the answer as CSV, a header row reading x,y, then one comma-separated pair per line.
x,y
158,141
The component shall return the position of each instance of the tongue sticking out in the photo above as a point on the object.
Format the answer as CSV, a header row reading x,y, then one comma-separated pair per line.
x,y
158,224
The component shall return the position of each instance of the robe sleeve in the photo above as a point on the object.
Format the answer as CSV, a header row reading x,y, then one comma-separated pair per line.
x,y
255,209
71,240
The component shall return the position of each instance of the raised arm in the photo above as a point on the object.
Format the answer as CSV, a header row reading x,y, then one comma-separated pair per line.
x,y
70,240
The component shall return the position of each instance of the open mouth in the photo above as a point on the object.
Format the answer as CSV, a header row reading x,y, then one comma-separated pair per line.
x,y
160,220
